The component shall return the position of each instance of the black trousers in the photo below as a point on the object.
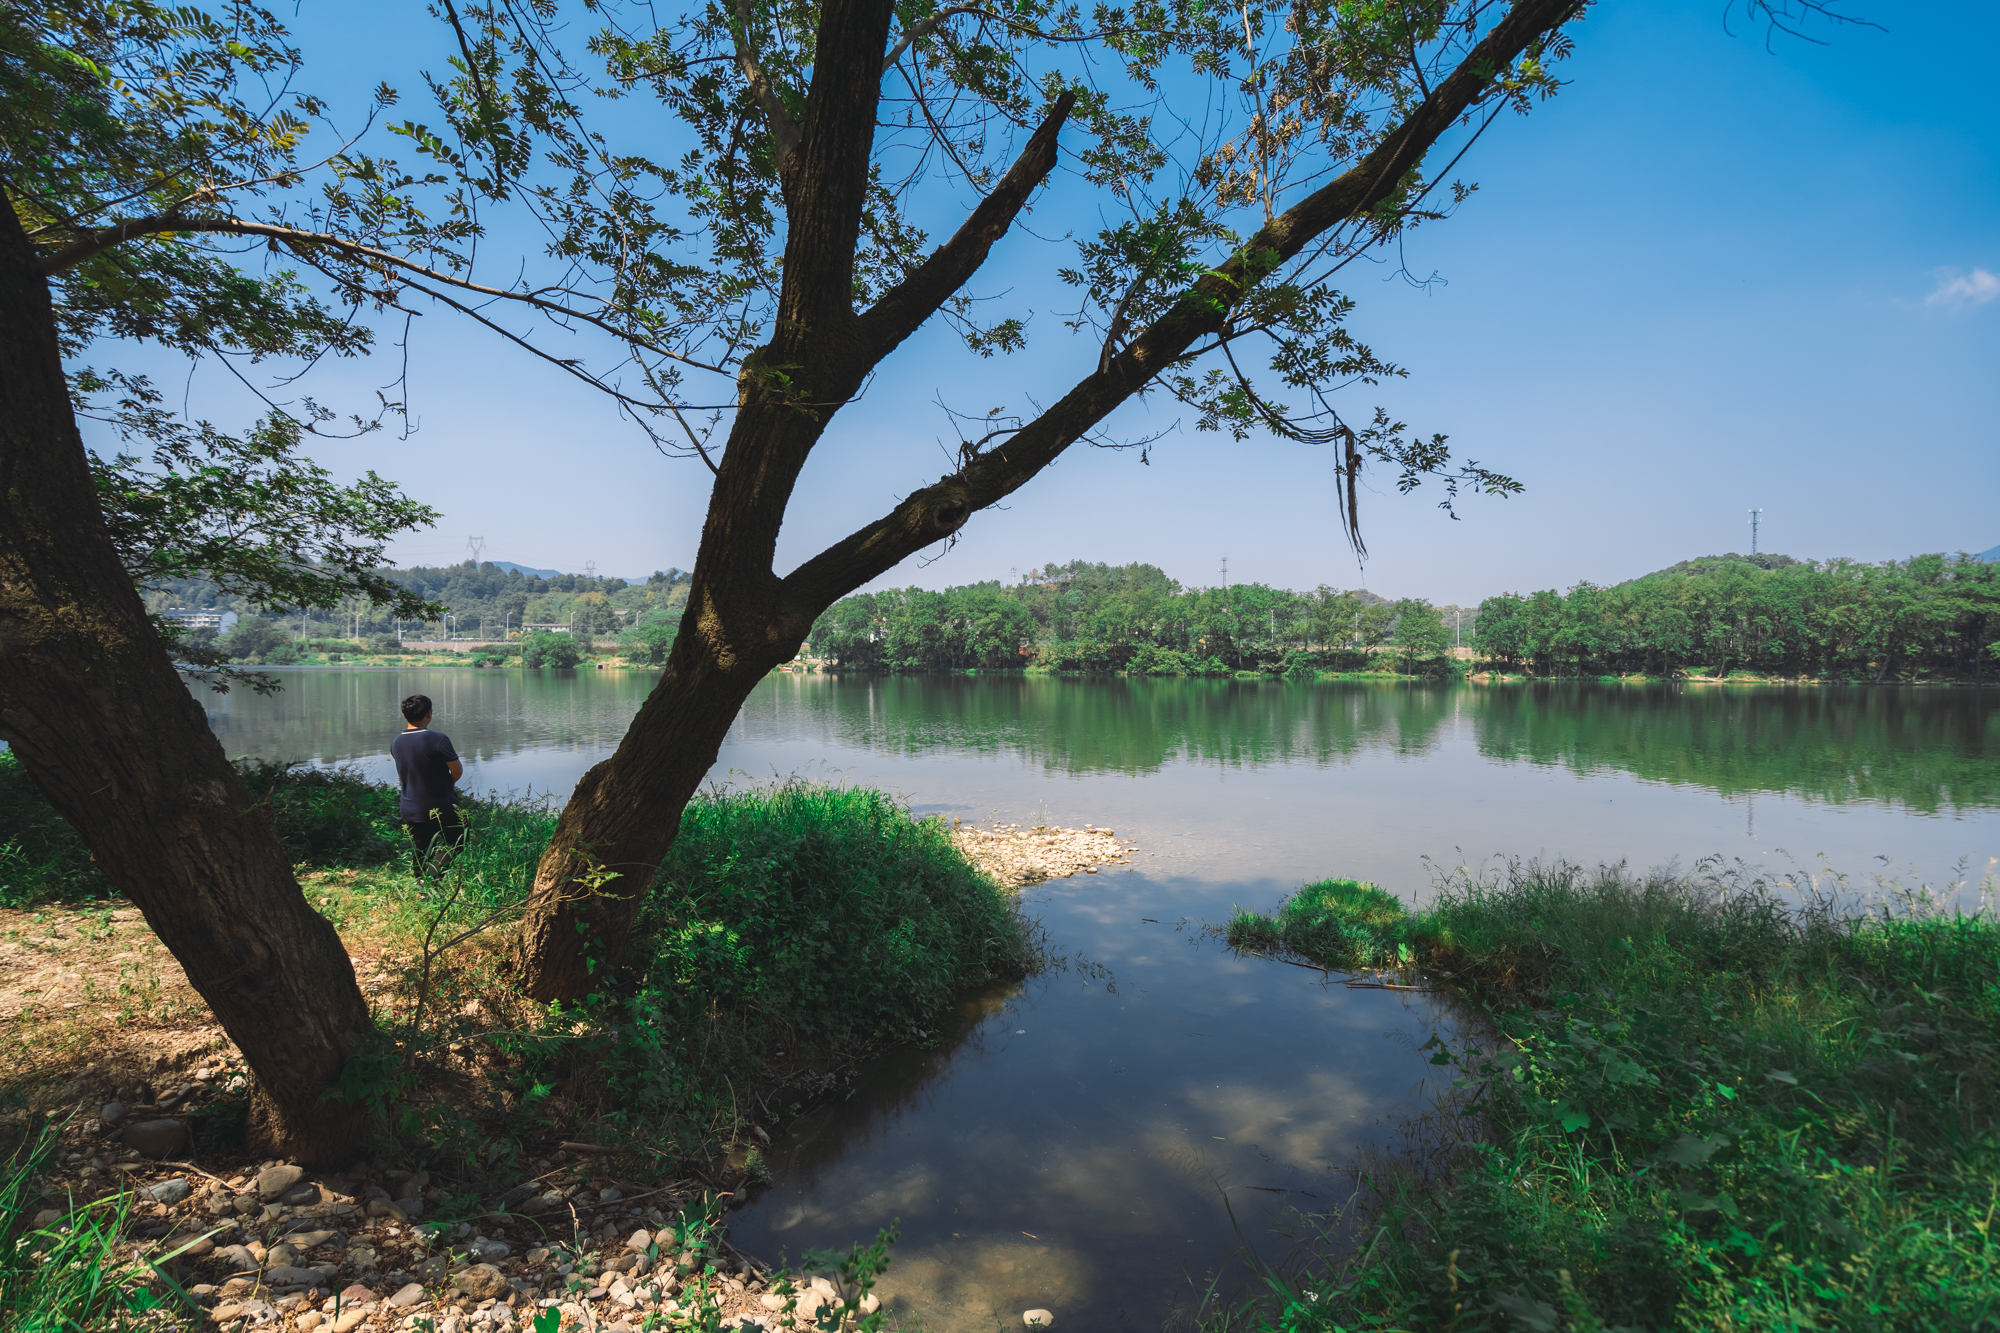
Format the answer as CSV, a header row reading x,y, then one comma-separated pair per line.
x,y
436,839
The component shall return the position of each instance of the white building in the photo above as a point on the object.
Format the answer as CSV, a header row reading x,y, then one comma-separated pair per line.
x,y
221,621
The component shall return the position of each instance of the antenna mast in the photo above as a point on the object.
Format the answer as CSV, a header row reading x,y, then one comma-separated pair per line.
x,y
1753,530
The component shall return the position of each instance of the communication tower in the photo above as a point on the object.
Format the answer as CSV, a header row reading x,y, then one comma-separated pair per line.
x,y
1753,530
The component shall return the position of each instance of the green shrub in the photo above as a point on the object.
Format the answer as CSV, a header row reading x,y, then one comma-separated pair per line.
x,y
542,649
326,816
799,912
323,817
828,905
41,858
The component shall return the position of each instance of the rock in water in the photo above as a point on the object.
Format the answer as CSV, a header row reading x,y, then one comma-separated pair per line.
x,y
273,1181
1038,1319
155,1138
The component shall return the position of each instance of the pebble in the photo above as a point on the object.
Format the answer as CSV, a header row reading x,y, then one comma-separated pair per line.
x,y
349,1321
409,1296
170,1191
640,1240
1038,1319
112,1113
155,1138
358,1295
309,1321
274,1181
288,1275
302,1195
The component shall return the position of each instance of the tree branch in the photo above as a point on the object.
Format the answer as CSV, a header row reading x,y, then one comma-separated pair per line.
x,y
936,512
165,224
904,308
785,133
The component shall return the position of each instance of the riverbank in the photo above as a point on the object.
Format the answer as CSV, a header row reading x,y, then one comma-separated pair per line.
x,y
793,932
1705,1106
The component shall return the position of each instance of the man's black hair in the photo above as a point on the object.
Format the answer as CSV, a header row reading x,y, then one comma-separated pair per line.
x,y
416,708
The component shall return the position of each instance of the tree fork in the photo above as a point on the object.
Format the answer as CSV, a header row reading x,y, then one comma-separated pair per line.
x,y
742,620
104,725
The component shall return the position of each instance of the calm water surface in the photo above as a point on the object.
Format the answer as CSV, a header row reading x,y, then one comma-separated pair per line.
x,y
1070,1142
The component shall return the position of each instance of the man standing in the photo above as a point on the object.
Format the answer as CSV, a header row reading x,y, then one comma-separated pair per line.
x,y
427,766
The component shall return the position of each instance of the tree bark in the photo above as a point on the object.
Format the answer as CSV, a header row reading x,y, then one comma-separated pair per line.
x,y
742,619
91,703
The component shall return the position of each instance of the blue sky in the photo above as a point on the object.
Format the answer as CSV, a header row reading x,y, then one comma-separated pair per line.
x,y
1706,277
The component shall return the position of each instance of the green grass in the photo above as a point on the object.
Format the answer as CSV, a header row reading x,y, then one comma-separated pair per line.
x,y
1703,1106
76,1273
792,925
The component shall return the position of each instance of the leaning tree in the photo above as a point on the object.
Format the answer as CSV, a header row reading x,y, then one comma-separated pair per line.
x,y
747,222
134,140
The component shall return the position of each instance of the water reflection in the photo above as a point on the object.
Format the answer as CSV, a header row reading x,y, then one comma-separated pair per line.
x,y
1069,1146
1925,749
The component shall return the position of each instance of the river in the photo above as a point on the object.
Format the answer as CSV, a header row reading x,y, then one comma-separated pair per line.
x,y
1071,1142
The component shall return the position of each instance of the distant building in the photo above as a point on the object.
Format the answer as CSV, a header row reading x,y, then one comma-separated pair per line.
x,y
221,621
551,628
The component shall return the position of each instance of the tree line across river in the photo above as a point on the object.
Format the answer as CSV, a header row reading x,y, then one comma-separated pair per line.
x,y
1770,614
1928,616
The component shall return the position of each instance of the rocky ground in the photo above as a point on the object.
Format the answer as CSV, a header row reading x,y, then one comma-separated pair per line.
x,y
272,1246
1017,854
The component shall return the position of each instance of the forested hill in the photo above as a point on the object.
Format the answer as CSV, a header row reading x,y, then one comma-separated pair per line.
x,y
1929,616
1708,564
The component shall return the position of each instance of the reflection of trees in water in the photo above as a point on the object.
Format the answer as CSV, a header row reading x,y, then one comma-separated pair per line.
x,y
1927,749
340,714
1082,726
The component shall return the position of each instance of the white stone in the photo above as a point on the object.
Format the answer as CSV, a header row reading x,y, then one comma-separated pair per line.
x,y
1038,1319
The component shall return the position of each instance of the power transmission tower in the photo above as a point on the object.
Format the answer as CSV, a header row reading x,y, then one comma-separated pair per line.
x,y
1753,530
475,545
590,569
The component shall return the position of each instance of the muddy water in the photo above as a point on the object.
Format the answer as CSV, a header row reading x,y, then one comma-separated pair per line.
x,y
1071,1143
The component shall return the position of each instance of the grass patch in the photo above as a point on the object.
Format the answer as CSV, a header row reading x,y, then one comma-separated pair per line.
x,y
71,1270
1708,1108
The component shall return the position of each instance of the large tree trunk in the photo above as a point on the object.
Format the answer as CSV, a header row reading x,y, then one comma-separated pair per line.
x,y
104,725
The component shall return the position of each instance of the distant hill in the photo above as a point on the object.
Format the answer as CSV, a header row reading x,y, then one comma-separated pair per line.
x,y
1707,563
1992,555
524,570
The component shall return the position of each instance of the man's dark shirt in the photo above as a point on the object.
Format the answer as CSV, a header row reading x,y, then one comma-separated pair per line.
x,y
421,757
